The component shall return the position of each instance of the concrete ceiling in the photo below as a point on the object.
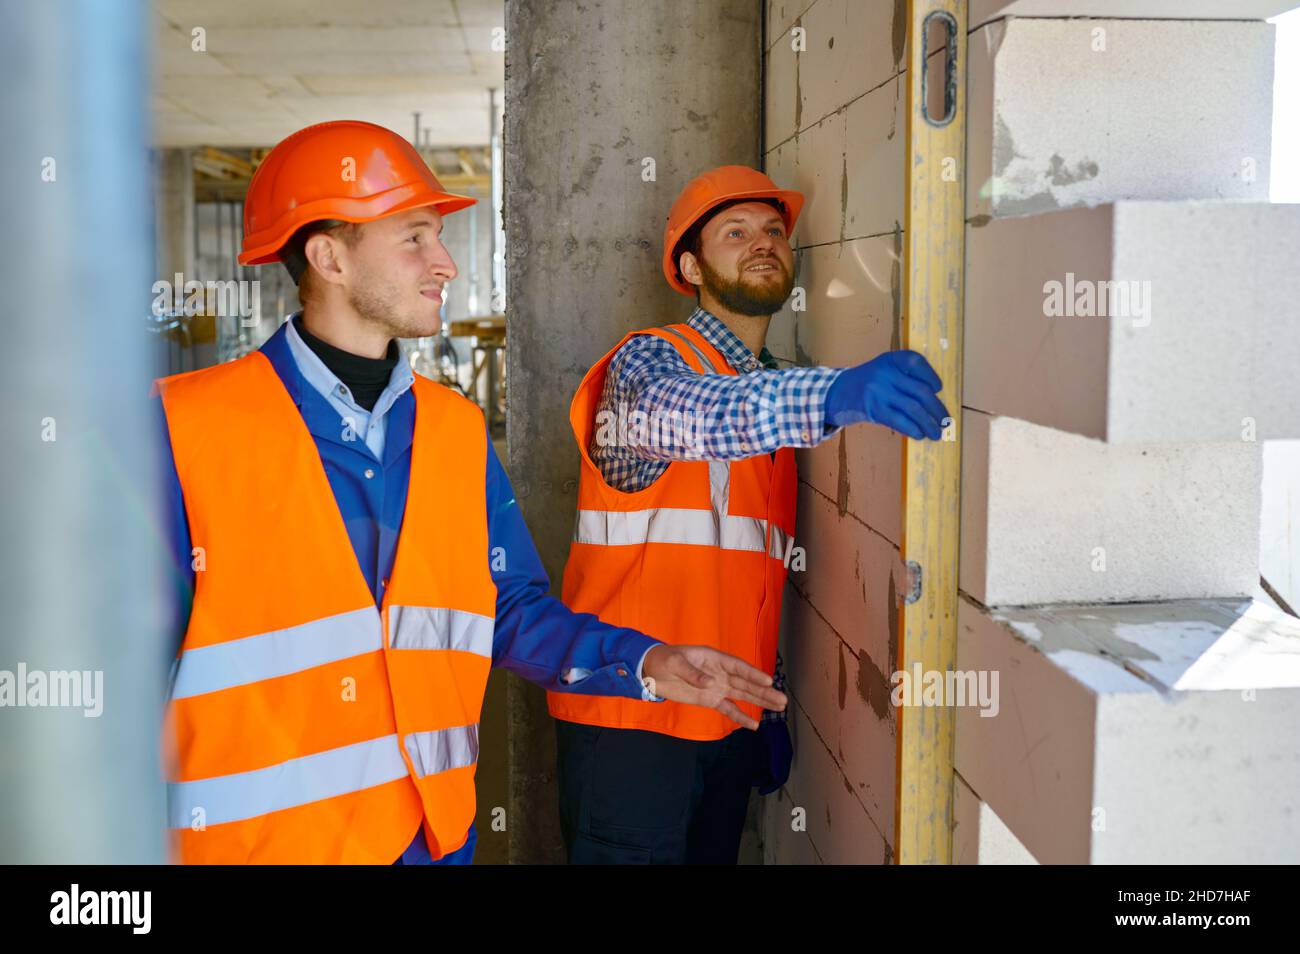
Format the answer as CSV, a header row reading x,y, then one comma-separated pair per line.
x,y
274,66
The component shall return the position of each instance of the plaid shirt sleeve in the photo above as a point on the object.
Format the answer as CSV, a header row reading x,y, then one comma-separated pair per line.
x,y
656,409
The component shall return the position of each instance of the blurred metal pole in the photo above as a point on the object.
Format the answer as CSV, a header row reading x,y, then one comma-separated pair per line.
x,y
80,582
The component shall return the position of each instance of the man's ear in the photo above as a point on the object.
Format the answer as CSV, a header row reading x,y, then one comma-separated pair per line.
x,y
322,253
689,266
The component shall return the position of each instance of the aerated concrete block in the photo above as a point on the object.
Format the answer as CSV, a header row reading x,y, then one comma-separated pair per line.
x,y
1052,517
1279,543
782,844
874,188
981,11
1138,322
850,569
824,809
852,47
780,94
1162,732
850,315
1067,113
979,837
783,14
813,163
844,692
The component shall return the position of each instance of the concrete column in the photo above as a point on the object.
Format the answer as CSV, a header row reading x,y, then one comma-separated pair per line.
x,y
175,252
174,213
81,575
611,107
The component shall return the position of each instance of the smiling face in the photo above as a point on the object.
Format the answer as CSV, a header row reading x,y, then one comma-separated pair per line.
x,y
744,263
393,275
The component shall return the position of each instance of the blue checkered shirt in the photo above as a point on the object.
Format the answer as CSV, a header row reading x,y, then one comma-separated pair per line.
x,y
756,411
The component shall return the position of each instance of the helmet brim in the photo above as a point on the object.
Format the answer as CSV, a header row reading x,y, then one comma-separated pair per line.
x,y
263,249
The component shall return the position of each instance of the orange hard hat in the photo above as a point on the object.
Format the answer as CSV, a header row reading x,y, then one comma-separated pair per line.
x,y
346,170
704,192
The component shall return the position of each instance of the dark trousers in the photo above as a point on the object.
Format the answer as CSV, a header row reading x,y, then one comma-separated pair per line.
x,y
633,797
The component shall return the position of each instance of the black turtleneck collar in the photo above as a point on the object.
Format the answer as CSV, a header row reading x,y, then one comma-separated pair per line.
x,y
366,378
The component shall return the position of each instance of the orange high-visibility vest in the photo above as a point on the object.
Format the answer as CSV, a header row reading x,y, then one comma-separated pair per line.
x,y
305,724
697,557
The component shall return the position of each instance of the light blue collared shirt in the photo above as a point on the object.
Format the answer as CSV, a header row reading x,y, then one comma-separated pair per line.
x,y
367,425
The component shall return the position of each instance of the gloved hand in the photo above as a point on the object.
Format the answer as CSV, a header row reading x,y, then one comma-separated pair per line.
x,y
896,389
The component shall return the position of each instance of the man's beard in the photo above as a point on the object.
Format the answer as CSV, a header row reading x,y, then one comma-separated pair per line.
x,y
763,298
378,304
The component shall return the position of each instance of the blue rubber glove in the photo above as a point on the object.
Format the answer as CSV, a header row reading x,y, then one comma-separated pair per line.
x,y
896,389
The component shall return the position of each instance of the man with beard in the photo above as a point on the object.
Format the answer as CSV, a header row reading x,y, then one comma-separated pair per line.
x,y
685,524
349,552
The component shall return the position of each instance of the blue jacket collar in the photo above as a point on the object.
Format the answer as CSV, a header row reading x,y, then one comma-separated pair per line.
x,y
400,417
276,349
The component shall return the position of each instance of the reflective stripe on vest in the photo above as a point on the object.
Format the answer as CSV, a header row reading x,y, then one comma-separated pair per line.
x,y
300,781
443,749
707,528
426,627
265,656
231,798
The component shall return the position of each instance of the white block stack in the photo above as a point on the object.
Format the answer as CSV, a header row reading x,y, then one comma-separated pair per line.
x,y
1132,335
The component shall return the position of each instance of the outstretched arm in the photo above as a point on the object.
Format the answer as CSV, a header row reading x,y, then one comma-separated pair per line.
x,y
541,639
693,416
656,408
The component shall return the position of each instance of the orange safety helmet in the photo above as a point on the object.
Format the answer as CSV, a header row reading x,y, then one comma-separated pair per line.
x,y
711,189
303,180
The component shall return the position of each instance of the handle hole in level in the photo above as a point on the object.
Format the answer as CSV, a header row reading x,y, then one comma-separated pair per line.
x,y
939,99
